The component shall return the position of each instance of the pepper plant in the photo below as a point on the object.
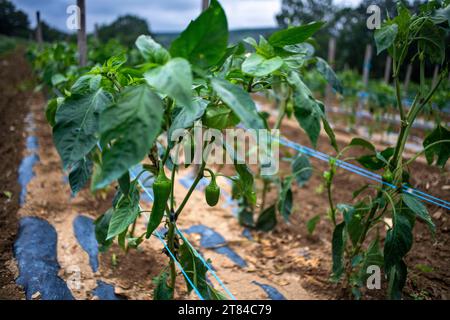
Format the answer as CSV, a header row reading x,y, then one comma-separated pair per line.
x,y
121,114
356,240
278,66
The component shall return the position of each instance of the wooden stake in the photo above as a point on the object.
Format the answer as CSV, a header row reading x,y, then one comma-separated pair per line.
x,y
96,31
331,62
205,4
82,42
387,69
39,37
366,66
366,71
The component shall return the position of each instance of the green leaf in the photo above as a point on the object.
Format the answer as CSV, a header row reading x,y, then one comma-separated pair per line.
x,y
196,271
125,213
307,110
378,160
162,290
267,220
294,35
239,101
397,279
79,174
441,15
385,36
372,257
330,133
50,110
244,185
338,247
245,216
301,169
174,79
220,117
58,79
131,126
285,201
86,83
186,116
101,230
264,48
398,240
258,66
312,223
432,41
151,50
124,183
205,40
362,143
327,72
441,151
353,217
75,131
419,209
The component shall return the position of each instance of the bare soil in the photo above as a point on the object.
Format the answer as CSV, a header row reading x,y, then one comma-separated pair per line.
x,y
294,262
14,97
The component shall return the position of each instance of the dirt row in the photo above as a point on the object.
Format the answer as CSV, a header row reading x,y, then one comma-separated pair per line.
x,y
288,259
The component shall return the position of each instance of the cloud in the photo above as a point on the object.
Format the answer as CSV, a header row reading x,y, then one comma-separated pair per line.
x,y
162,15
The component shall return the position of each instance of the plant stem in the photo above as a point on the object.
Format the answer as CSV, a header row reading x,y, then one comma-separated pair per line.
x,y
191,189
281,114
172,197
170,244
331,204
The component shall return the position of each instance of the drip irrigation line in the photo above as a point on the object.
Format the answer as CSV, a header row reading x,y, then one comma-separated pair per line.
x,y
365,173
192,247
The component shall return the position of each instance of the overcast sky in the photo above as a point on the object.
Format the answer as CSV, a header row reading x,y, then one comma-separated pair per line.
x,y
162,15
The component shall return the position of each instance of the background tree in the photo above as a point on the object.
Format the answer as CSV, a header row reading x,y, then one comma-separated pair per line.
x,y
125,29
13,22
346,24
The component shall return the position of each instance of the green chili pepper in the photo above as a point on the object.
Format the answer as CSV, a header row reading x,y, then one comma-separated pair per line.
x,y
212,192
161,192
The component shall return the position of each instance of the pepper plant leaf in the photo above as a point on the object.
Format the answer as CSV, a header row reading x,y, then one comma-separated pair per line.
x,y
285,202
301,169
174,79
294,35
151,50
267,220
385,36
130,127
205,40
439,151
79,174
75,131
239,101
258,66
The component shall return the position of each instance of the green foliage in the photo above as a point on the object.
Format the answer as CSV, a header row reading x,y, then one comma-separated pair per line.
x,y
125,28
123,107
437,146
204,41
13,22
421,34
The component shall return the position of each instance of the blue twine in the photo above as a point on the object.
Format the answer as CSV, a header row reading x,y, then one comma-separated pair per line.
x,y
207,266
365,173
178,265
